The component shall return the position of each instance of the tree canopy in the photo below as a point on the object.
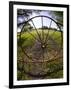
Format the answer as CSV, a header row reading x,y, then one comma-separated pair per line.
x,y
58,16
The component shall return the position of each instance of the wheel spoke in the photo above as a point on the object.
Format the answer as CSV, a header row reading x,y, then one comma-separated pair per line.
x,y
42,29
42,57
33,36
55,43
43,54
48,32
36,31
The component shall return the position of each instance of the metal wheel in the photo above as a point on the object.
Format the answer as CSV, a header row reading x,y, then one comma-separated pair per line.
x,y
40,47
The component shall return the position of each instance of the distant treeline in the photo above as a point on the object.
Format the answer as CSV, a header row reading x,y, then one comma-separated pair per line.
x,y
45,27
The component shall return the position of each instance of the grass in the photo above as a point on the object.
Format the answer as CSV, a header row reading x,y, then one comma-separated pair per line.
x,y
28,41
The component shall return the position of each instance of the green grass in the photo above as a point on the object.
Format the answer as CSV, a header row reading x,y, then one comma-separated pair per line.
x,y
28,39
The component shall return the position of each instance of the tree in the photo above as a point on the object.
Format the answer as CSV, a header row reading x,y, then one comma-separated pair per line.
x,y
27,27
57,15
25,14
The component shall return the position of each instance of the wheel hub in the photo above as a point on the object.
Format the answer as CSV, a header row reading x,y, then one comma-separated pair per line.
x,y
43,46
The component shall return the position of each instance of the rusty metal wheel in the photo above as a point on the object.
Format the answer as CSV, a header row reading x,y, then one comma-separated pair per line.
x,y
41,47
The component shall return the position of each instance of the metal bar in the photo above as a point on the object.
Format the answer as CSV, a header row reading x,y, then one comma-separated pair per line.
x,y
42,57
42,29
36,31
48,32
52,34
33,36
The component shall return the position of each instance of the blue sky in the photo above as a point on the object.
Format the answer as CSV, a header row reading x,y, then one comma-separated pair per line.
x,y
37,21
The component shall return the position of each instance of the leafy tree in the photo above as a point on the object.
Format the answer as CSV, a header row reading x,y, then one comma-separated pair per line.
x,y
27,27
25,14
58,16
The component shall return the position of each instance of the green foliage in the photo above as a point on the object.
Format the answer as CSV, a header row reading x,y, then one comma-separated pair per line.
x,y
27,27
21,41
57,15
18,75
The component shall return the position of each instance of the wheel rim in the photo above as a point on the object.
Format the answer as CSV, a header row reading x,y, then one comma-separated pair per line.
x,y
43,48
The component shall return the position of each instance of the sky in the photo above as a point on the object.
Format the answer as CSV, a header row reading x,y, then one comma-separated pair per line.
x,y
38,21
